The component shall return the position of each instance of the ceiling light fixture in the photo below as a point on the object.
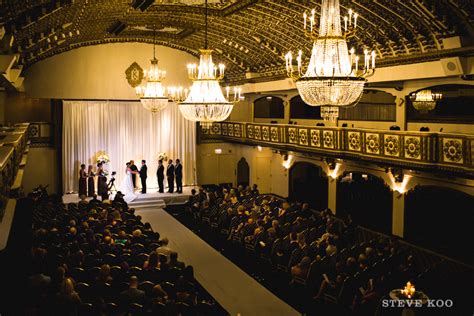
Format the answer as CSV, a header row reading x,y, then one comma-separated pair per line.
x,y
425,100
206,103
334,77
152,93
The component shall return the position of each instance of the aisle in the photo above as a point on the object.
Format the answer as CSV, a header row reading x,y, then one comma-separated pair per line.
x,y
235,290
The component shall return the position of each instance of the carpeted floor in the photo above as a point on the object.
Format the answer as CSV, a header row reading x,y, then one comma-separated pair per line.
x,y
231,287
275,281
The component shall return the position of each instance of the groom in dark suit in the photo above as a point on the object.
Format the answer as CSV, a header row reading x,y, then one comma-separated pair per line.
x,y
170,176
178,172
134,176
143,176
160,175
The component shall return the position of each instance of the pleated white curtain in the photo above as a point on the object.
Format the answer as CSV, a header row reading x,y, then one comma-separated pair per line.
x,y
125,131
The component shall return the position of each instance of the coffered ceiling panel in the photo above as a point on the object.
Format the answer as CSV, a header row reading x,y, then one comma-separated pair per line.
x,y
248,35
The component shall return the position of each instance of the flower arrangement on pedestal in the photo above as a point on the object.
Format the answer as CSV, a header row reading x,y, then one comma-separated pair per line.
x,y
162,156
103,159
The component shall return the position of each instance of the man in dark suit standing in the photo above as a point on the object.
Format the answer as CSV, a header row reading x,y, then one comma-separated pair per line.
x,y
178,172
170,176
143,176
134,176
160,175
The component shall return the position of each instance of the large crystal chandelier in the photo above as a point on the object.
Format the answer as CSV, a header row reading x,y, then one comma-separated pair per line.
x,y
206,102
425,100
334,77
152,93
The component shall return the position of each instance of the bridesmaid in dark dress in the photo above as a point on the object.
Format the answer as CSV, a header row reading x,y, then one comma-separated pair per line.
x,y
101,181
83,180
90,181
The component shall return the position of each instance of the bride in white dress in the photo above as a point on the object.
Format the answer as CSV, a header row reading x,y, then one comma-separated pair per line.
x,y
127,186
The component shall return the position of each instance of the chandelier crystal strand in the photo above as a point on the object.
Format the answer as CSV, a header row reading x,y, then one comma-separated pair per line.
x,y
205,102
334,76
152,94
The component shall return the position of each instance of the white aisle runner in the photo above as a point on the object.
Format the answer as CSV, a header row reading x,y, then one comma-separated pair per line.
x,y
234,289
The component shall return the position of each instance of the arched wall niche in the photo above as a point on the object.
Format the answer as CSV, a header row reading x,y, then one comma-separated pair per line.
x,y
440,218
367,198
308,183
269,107
455,105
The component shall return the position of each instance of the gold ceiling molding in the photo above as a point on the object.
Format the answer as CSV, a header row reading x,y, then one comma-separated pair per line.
x,y
248,36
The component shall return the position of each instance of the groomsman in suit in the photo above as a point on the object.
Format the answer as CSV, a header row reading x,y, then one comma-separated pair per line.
x,y
170,176
160,175
178,172
134,176
143,176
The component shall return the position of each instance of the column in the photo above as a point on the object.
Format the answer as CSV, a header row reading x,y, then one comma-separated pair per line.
x,y
398,214
401,111
332,194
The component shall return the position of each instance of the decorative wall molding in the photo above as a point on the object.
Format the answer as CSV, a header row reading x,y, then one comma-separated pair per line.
x,y
411,150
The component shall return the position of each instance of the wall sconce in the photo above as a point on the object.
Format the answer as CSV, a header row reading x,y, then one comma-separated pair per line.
x,y
333,168
288,160
399,181
218,151
259,148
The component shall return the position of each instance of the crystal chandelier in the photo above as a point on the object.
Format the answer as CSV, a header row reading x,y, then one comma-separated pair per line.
x,y
206,102
152,93
330,113
334,77
425,100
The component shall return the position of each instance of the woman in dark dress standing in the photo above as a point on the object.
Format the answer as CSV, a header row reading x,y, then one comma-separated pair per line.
x,y
82,180
101,181
90,181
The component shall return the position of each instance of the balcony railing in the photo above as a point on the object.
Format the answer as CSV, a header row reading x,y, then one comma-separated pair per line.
x,y
13,156
407,149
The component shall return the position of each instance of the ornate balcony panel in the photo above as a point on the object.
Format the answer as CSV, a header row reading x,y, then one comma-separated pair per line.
x,y
407,149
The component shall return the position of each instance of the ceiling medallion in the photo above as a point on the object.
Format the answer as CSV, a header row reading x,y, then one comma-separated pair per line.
x,y
134,74
206,103
334,76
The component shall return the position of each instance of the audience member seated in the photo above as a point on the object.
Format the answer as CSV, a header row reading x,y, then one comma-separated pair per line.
x,y
132,295
99,256
163,248
313,247
174,263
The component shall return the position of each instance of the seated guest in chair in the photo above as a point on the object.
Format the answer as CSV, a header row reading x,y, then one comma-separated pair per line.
x,y
174,263
132,294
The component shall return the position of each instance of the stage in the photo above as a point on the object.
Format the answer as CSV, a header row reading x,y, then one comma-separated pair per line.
x,y
152,199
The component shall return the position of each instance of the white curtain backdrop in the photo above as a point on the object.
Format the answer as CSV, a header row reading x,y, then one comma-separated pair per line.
x,y
125,131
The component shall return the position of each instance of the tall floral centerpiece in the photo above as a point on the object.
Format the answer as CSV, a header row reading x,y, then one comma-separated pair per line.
x,y
104,160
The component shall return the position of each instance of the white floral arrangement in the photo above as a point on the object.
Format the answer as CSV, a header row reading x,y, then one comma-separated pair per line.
x,y
103,159
162,156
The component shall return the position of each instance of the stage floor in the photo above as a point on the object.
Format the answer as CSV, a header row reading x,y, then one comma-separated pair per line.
x,y
151,198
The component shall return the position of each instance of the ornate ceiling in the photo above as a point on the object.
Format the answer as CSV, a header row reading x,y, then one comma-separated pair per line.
x,y
248,35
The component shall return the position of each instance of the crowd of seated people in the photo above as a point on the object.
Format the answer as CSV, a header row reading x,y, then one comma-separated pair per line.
x,y
318,251
99,258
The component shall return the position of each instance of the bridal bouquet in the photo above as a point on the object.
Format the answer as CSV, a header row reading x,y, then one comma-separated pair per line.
x,y
103,159
162,156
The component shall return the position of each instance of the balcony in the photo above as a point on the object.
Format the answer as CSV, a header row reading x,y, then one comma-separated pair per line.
x,y
427,151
